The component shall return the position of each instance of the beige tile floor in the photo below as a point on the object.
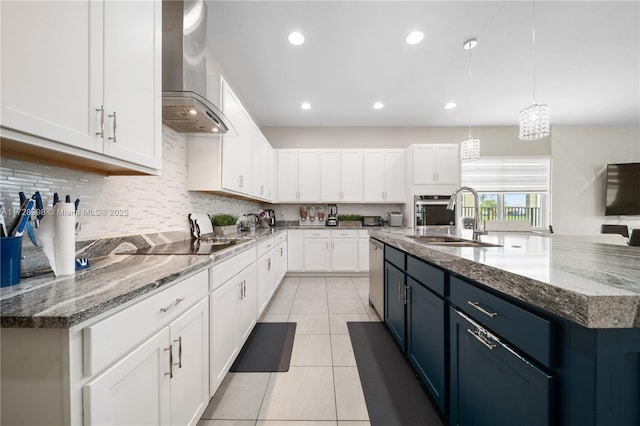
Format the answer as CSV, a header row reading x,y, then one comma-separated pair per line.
x,y
322,386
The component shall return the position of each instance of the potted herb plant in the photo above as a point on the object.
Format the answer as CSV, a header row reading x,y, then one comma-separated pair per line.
x,y
224,224
349,220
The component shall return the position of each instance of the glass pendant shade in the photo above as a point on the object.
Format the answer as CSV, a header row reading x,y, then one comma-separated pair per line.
x,y
470,149
534,122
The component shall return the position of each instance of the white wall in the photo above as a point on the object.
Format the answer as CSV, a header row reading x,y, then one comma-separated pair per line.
x,y
494,140
580,156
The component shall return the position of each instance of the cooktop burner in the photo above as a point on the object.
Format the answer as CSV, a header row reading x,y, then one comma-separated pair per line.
x,y
204,247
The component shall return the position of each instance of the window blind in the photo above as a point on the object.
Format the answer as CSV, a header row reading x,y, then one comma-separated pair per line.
x,y
507,174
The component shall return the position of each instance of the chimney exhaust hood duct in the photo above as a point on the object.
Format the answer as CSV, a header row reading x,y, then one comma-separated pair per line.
x,y
184,70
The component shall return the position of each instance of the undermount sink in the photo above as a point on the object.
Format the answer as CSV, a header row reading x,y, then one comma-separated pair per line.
x,y
449,241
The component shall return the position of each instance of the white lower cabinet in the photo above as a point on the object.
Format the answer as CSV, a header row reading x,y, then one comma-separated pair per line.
x,y
325,250
162,381
295,247
317,251
135,390
281,256
363,251
344,251
233,311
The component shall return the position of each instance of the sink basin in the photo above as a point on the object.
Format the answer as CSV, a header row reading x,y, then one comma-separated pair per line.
x,y
449,241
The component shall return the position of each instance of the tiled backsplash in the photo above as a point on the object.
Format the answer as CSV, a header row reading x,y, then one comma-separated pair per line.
x,y
113,206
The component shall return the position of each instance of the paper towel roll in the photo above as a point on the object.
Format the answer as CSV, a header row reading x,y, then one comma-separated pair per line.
x,y
57,236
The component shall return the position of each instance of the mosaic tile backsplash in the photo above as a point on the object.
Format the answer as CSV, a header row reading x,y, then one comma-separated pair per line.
x,y
112,206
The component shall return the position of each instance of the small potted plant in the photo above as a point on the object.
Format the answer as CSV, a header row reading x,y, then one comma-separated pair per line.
x,y
224,224
349,220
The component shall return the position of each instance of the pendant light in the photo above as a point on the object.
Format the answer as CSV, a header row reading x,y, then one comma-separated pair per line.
x,y
470,147
534,120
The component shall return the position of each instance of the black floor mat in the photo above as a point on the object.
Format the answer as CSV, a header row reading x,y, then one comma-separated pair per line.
x,y
393,393
267,349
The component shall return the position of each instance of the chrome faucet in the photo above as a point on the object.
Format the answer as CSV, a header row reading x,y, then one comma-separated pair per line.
x,y
452,202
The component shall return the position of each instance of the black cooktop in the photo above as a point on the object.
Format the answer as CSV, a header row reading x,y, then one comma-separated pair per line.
x,y
187,247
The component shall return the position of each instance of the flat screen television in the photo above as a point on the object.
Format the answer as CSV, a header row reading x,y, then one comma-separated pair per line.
x,y
623,189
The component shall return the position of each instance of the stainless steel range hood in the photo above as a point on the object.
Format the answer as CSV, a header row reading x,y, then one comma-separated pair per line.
x,y
185,107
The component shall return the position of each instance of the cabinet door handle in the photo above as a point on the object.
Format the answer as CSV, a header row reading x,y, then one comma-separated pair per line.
x,y
281,251
101,111
406,294
269,264
173,305
481,339
170,373
115,127
179,340
482,309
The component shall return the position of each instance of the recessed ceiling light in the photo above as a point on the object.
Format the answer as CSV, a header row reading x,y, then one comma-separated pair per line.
x,y
450,105
193,112
414,37
305,105
470,44
378,105
296,38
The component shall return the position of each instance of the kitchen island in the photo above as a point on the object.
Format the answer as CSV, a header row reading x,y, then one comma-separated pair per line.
x,y
526,329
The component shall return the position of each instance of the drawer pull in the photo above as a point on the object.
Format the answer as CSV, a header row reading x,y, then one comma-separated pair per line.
x,y
170,373
481,339
481,309
173,305
179,340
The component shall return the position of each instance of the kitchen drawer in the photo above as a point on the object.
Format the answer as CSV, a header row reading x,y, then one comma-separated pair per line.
x,y
281,237
427,275
223,271
394,256
317,233
265,246
344,233
106,341
529,332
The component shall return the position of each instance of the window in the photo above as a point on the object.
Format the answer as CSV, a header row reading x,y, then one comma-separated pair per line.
x,y
509,189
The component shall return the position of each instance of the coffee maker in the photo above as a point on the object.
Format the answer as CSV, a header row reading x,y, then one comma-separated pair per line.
x,y
271,217
332,219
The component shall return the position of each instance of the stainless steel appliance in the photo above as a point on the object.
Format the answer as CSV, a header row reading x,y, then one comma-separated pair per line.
x,y
185,108
431,210
372,221
376,276
332,218
396,219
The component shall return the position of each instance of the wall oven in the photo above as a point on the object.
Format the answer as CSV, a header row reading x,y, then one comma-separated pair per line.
x,y
431,210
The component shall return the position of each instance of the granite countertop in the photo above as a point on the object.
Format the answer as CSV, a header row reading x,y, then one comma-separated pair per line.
x,y
47,301
592,284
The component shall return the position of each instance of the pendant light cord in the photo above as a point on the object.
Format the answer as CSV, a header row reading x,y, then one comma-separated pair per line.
x,y
533,36
469,93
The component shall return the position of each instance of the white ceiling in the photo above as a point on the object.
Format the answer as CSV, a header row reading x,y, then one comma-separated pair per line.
x,y
587,61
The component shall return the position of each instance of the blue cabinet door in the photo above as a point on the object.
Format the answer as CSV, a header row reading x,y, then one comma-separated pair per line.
x,y
491,385
394,302
426,339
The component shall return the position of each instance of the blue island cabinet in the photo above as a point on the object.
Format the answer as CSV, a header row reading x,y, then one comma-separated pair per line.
x,y
415,313
492,385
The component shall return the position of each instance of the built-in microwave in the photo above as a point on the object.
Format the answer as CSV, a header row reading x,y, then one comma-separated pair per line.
x,y
431,210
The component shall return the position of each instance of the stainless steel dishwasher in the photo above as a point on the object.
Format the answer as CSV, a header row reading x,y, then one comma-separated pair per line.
x,y
376,276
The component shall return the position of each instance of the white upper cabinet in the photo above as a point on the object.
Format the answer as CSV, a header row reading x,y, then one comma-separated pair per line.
x,y
236,147
261,158
341,178
83,79
384,176
437,164
237,163
298,175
